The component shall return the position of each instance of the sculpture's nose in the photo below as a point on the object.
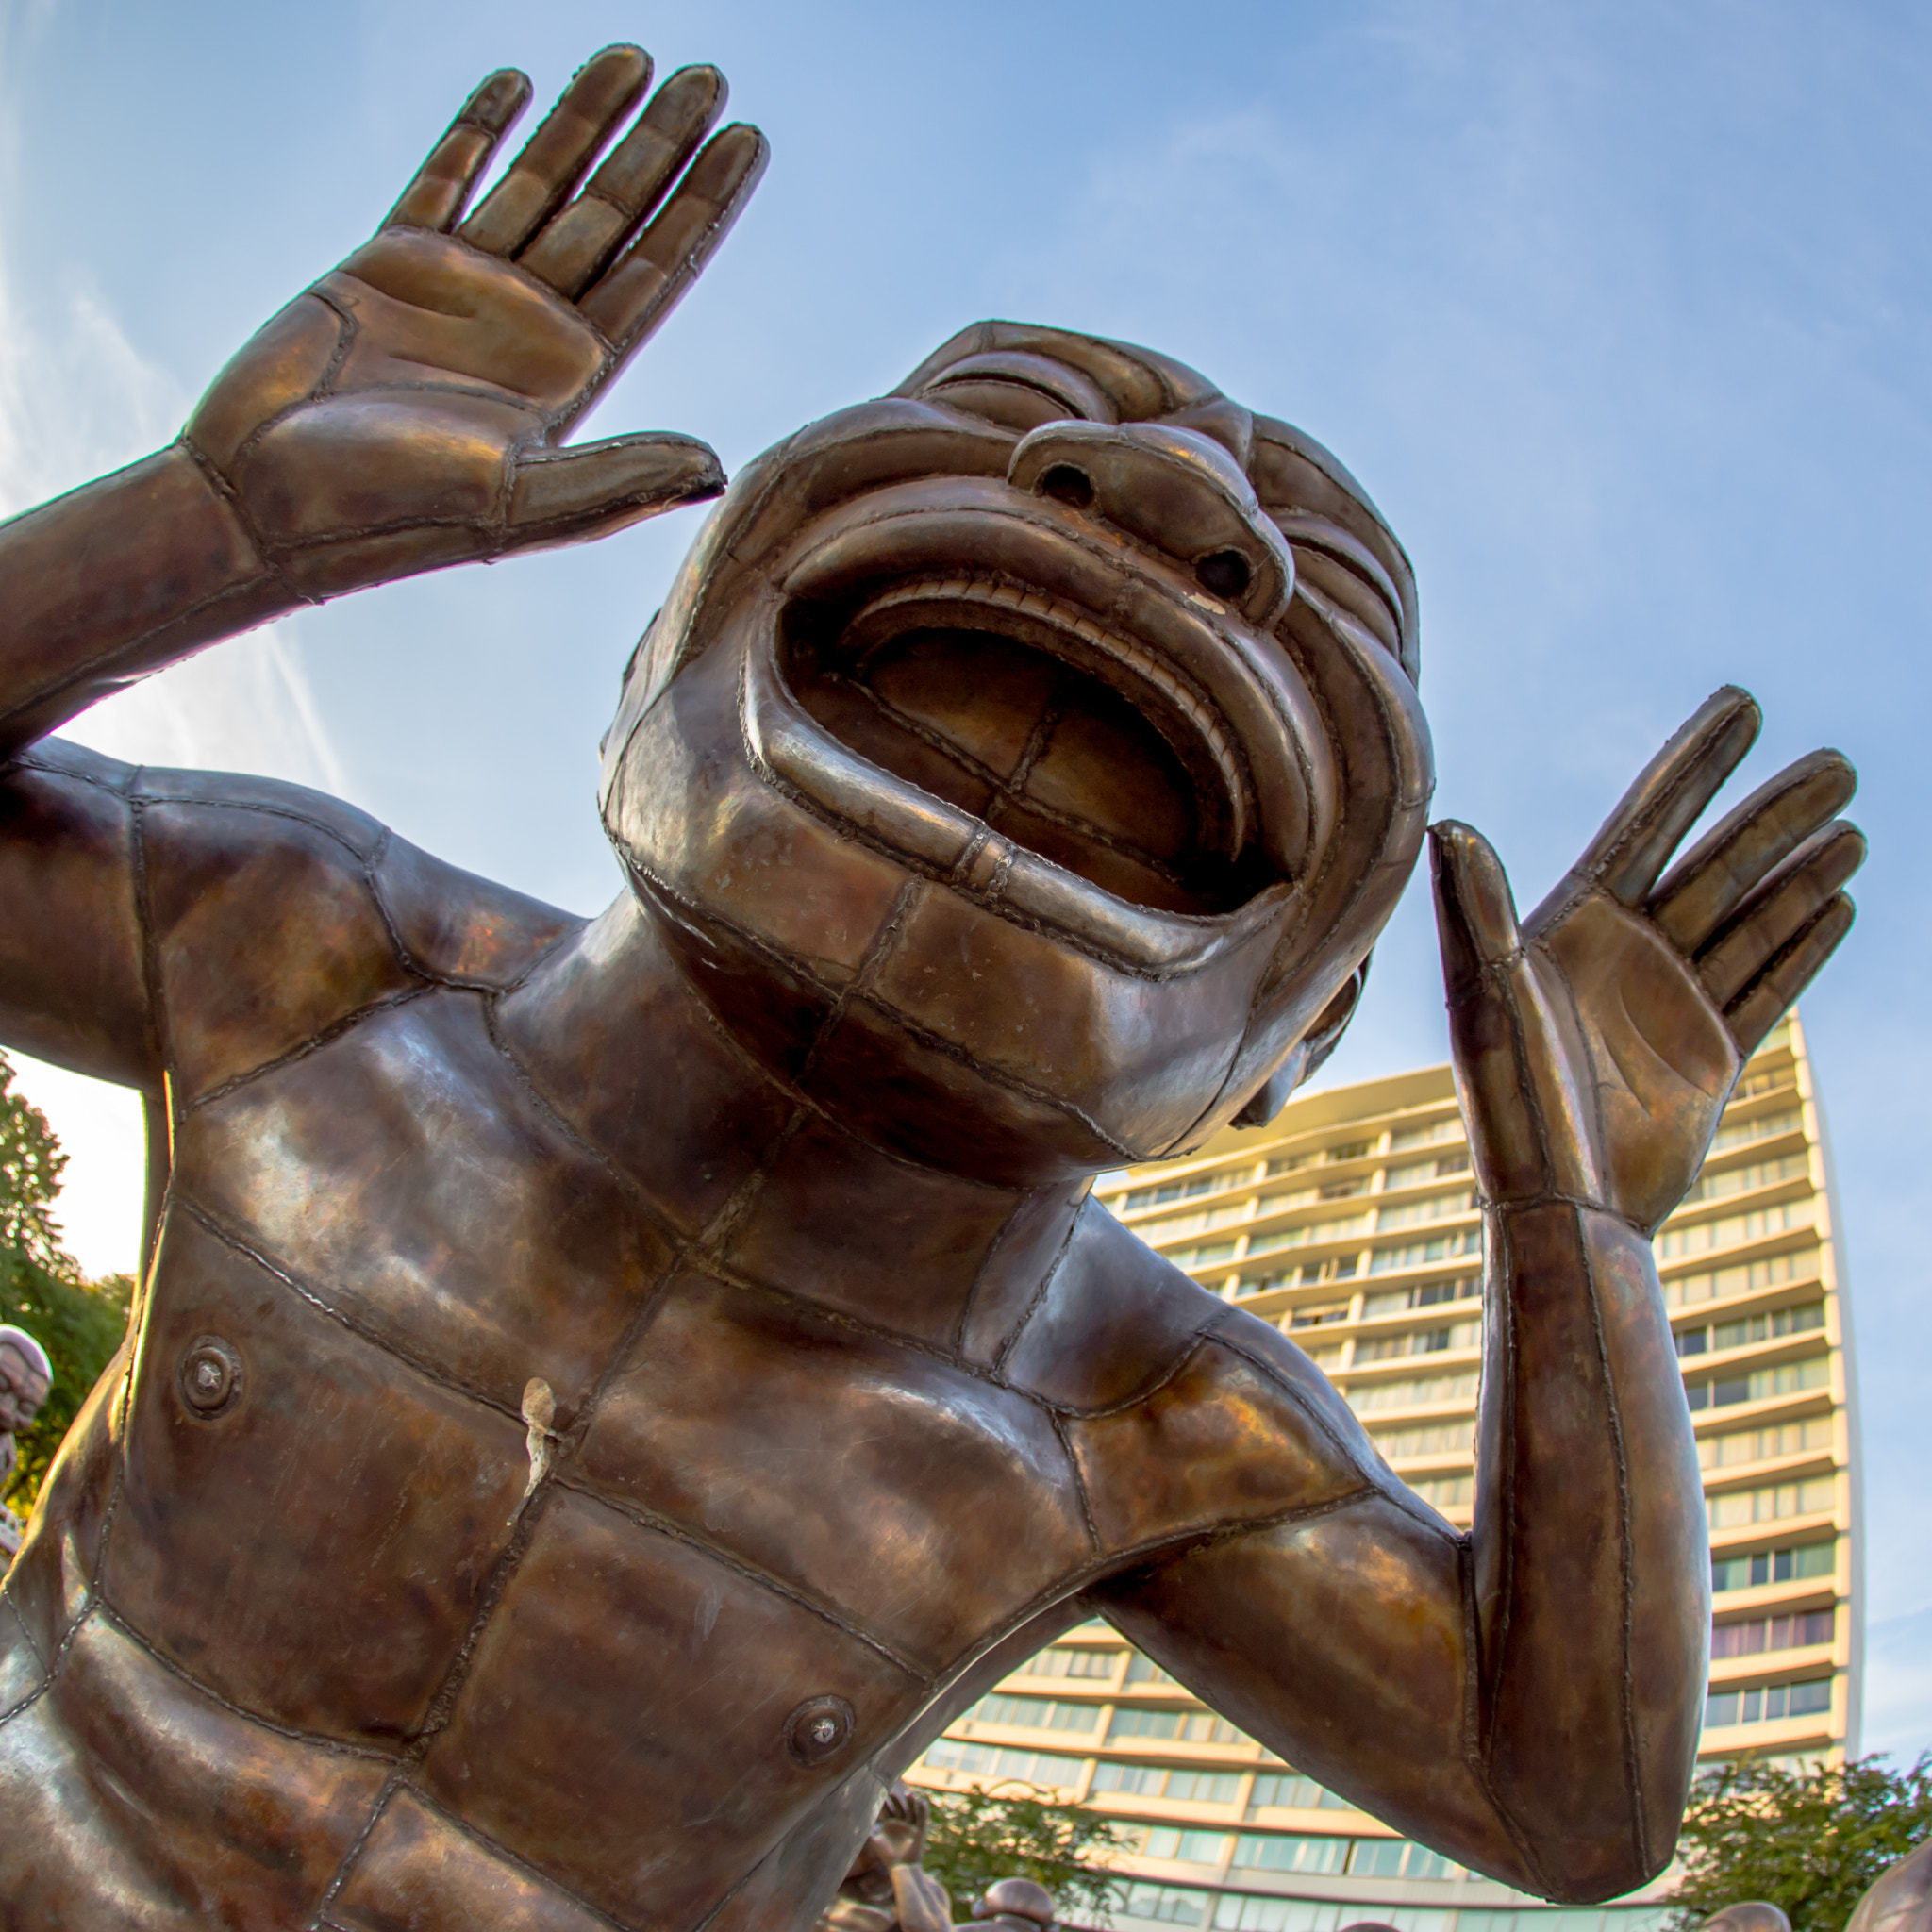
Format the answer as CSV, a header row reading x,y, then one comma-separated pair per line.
x,y
1175,490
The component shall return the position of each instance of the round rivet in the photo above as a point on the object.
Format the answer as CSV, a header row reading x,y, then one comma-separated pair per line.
x,y
819,1729
209,1376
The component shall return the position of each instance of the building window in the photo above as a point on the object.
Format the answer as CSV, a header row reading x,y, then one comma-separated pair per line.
x,y
1752,1636
1172,1842
1073,1663
1732,1230
1417,1213
1774,1566
1447,1492
1768,1505
1188,1189
1740,1278
1281,1852
1166,1904
1420,1341
1288,1791
1427,1294
1201,1257
1415,1394
1767,1127
1444,1247
1396,1857
1302,1236
1044,1768
1719,1392
1765,1445
1192,1726
1745,1180
1767,1703
1434,1438
1741,1334
1035,1713
1449,1127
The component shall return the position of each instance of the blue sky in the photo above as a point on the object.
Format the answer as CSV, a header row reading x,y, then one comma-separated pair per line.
x,y
1621,311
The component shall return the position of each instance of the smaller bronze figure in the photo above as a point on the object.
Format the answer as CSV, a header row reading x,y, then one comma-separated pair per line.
x,y
1748,1915
1900,1900
1013,1904
26,1376
888,1888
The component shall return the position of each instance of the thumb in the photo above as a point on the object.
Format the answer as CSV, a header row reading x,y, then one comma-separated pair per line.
x,y
563,495
1475,911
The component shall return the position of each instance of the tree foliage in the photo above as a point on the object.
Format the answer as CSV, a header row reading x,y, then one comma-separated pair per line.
x,y
1810,1841
79,1322
1017,1832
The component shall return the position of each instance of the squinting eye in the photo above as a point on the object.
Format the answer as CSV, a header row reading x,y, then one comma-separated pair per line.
x,y
1012,405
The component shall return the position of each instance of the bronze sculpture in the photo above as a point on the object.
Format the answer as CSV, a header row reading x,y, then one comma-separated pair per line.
x,y
27,1378
604,1393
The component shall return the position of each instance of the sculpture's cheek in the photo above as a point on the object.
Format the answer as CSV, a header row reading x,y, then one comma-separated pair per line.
x,y
627,1675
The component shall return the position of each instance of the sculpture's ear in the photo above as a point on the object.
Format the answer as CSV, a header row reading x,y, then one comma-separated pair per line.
x,y
1307,1054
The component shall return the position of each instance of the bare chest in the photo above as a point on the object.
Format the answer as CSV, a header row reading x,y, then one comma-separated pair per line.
x,y
754,1548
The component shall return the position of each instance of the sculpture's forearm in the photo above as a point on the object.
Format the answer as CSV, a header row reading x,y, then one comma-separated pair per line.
x,y
117,579
1593,1573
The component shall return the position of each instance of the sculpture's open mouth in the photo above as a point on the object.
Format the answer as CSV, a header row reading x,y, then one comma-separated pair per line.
x,y
1067,728
1084,746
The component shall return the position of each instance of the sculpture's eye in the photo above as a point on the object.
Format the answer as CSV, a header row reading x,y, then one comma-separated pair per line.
x,y
1012,404
1018,389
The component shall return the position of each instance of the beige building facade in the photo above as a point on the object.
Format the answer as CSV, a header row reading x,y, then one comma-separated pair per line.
x,y
1351,1223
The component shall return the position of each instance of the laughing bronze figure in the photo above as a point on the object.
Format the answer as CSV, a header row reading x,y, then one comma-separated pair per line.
x,y
604,1393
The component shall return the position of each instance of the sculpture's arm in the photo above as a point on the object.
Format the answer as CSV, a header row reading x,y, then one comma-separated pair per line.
x,y
1527,1698
409,410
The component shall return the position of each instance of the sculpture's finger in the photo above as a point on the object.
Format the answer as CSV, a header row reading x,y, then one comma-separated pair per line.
x,y
575,244
558,496
1758,1009
554,158
435,198
1504,1042
1728,863
1475,911
1781,908
643,284
1637,840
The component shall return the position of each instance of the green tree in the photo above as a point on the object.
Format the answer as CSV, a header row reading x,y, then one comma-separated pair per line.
x,y
980,1835
1810,1841
79,1322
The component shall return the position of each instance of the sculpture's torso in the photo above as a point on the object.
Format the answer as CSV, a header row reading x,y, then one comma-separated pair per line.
x,y
292,1644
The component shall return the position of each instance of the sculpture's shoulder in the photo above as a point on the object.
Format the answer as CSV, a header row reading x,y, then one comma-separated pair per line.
x,y
1184,1414
273,912
1113,1321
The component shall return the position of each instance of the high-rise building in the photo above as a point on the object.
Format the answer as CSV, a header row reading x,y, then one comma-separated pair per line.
x,y
1351,1224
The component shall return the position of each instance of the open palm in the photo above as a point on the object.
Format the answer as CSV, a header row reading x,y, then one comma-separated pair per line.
x,y
407,410
1597,1042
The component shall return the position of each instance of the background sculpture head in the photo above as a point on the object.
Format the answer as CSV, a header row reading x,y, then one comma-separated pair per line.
x,y
1025,762
25,1377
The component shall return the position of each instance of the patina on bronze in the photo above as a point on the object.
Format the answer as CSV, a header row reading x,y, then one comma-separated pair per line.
x,y
605,1393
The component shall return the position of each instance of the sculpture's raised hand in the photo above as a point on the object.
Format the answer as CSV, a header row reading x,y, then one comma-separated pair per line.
x,y
1596,1044
406,411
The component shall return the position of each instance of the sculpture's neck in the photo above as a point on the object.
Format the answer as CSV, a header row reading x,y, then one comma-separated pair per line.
x,y
754,1183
